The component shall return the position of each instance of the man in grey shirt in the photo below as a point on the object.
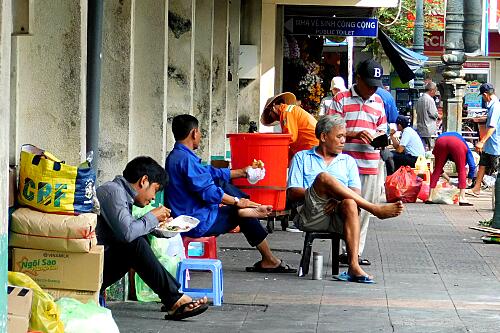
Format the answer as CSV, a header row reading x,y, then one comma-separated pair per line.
x,y
427,114
124,238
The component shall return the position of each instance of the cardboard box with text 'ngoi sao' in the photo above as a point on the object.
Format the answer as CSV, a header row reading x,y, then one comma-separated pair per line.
x,y
61,270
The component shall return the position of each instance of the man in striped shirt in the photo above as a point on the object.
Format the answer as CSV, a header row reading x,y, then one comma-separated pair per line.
x,y
363,111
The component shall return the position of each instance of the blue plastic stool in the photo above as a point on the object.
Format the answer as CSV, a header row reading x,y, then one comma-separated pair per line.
x,y
216,293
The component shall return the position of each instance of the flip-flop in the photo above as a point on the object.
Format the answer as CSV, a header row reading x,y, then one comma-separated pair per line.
x,y
182,313
344,276
430,202
465,204
472,194
283,267
361,261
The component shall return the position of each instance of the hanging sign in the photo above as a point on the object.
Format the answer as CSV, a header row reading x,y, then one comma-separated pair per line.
x,y
332,26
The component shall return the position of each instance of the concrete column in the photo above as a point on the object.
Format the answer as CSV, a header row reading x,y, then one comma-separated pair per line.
x,y
147,80
115,93
267,56
250,90
179,83
202,68
50,80
233,64
219,80
5,44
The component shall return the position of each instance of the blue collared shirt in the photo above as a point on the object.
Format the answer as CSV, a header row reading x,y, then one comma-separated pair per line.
x,y
492,145
307,164
469,158
412,142
191,189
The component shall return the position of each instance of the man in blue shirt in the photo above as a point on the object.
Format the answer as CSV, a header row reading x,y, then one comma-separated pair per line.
x,y
489,145
328,184
124,237
391,110
201,192
408,149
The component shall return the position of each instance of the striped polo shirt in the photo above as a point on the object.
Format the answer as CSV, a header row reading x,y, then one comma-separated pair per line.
x,y
361,115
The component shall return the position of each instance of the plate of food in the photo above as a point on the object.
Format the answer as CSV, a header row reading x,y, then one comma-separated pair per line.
x,y
181,223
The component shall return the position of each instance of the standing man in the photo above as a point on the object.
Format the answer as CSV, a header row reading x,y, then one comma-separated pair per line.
x,y
282,109
427,114
364,113
489,145
337,85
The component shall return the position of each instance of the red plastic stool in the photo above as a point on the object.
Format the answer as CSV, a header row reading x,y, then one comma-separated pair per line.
x,y
209,247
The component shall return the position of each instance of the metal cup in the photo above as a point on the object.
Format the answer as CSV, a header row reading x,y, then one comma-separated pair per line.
x,y
317,273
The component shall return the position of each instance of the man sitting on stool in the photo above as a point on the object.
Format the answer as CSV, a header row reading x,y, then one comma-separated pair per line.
x,y
328,183
407,150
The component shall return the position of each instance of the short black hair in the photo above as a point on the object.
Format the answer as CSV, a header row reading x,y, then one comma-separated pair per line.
x,y
182,125
145,166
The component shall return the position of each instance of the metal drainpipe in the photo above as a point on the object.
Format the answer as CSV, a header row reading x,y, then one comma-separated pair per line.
x,y
94,47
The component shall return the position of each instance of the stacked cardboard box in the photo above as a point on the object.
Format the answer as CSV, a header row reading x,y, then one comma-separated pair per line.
x,y
18,309
58,252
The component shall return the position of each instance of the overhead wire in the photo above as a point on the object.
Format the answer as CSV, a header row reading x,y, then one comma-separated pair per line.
x,y
397,16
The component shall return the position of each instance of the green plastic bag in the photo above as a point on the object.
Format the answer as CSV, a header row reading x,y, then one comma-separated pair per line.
x,y
84,318
45,315
159,247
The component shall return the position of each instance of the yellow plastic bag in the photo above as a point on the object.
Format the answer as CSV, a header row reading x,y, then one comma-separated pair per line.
x,y
45,315
49,185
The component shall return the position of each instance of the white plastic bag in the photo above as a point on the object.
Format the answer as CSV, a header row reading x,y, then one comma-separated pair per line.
x,y
85,318
445,195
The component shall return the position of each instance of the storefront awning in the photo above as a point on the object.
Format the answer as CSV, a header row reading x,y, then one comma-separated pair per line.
x,y
404,61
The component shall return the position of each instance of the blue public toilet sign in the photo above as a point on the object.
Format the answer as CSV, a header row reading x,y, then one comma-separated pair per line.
x,y
332,26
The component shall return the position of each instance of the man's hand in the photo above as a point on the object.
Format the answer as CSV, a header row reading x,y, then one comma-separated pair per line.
x,y
162,213
365,136
479,146
392,131
330,206
245,203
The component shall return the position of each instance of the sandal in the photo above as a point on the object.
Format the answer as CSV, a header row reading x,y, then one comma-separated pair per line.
x,y
183,311
471,193
361,261
283,267
465,204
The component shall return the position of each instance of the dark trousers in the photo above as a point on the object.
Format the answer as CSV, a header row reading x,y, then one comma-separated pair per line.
x,y
227,219
402,159
119,258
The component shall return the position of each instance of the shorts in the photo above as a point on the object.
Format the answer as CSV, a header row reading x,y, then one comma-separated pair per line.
x,y
312,216
490,162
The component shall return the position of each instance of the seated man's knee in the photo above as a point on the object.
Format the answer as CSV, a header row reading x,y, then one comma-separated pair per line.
x,y
348,207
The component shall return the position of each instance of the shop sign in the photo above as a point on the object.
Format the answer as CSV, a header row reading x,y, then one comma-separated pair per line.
x,y
434,43
477,64
332,26
472,97
493,14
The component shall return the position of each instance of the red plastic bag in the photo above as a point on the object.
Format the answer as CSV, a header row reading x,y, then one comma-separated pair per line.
x,y
402,185
424,192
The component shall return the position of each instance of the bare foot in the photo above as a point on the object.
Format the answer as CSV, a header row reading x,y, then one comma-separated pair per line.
x,y
186,299
261,211
389,210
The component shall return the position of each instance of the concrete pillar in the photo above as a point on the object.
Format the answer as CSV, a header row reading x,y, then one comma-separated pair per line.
x,y
180,45
202,68
50,80
147,79
267,56
219,80
233,64
250,90
115,89
5,43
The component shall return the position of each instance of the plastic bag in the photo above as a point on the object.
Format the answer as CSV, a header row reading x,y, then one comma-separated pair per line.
x,y
45,315
445,194
402,185
421,164
424,192
84,318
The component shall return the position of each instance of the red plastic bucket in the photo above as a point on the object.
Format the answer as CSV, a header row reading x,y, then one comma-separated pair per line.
x,y
272,149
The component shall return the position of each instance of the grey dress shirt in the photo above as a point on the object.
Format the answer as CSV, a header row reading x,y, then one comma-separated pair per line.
x,y
115,223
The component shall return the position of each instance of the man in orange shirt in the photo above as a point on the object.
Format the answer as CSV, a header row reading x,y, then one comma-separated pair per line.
x,y
294,120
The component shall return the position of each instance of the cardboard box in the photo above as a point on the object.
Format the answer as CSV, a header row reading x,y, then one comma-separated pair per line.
x,y
18,309
61,270
12,186
83,296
